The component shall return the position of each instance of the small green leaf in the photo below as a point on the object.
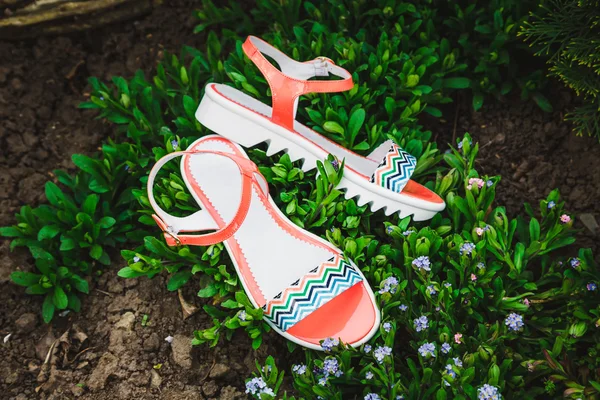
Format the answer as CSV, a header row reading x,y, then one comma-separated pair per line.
x,y
457,83
74,302
96,252
127,272
542,102
60,299
67,244
106,222
178,280
189,106
9,231
477,101
334,127
208,291
25,278
230,303
81,284
436,112
48,308
357,119
48,232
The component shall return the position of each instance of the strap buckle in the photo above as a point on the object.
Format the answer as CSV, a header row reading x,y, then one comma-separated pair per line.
x,y
322,66
171,232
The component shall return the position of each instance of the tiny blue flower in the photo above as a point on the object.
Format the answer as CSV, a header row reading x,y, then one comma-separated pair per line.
x,y
331,367
174,144
372,396
431,290
102,98
126,167
575,262
514,322
136,259
448,284
489,183
421,323
457,362
551,204
389,285
446,348
381,352
480,265
427,349
467,248
403,307
422,262
323,381
488,392
329,344
369,375
407,233
335,164
299,369
242,315
592,286
389,230
387,326
367,348
256,386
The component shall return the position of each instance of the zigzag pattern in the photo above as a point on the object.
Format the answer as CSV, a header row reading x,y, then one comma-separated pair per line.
x,y
395,170
312,291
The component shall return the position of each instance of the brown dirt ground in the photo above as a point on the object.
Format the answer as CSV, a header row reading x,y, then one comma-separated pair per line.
x,y
41,83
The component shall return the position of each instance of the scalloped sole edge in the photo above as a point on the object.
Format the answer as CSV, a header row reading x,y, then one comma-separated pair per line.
x,y
247,133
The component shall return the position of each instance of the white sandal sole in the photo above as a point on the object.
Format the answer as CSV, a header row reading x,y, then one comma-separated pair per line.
x,y
249,125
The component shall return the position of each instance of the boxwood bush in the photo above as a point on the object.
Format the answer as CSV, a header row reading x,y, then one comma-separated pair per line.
x,y
475,303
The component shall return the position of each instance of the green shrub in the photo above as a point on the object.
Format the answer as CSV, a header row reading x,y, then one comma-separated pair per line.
x,y
569,32
487,33
480,35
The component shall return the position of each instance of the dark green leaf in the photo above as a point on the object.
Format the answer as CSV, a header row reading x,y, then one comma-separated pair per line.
x,y
25,278
60,299
178,280
48,308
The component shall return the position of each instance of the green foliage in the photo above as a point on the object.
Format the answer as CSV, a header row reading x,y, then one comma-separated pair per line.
x,y
569,32
479,37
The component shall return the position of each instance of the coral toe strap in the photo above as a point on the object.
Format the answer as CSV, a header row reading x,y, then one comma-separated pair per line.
x,y
396,168
201,220
315,289
291,82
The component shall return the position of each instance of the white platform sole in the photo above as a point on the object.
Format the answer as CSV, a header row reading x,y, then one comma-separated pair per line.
x,y
248,128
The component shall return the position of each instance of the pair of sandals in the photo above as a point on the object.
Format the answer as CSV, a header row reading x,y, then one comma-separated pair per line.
x,y
306,287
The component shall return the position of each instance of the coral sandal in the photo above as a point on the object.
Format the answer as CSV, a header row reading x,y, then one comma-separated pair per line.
x,y
381,179
306,288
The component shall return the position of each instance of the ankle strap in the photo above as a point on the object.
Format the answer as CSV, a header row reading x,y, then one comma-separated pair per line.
x,y
291,82
201,220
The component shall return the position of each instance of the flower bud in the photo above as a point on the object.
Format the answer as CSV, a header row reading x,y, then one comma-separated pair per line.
x,y
380,260
578,329
485,352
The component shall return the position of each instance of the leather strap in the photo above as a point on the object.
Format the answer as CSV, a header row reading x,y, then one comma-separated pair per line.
x,y
291,82
201,220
